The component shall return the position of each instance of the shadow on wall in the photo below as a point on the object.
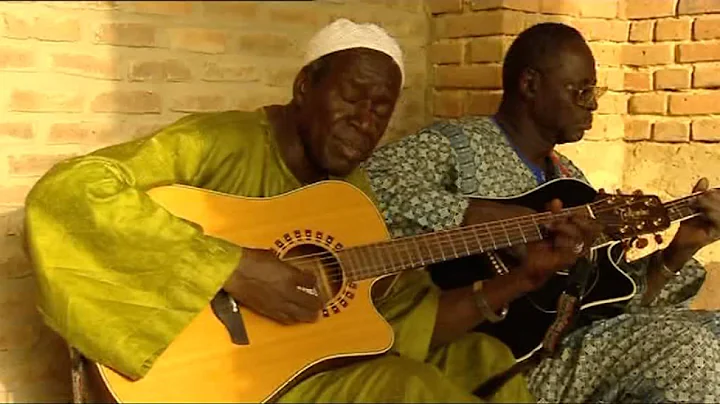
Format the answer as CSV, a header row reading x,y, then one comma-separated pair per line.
x,y
82,75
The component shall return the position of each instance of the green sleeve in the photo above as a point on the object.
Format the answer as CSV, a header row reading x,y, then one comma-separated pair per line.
x,y
119,275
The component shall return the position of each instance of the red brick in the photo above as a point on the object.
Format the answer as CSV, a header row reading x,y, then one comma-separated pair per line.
x,y
671,131
57,29
605,127
606,53
490,49
448,52
16,58
44,28
698,6
706,130
707,28
639,9
483,102
612,78
13,195
706,76
637,129
532,6
172,70
647,54
86,66
612,103
35,101
127,102
126,34
642,31
479,24
81,133
35,164
599,8
594,29
647,103
198,40
170,8
445,6
698,52
266,45
672,79
301,14
16,130
226,71
477,76
560,7
198,103
230,9
448,104
673,29
637,81
695,104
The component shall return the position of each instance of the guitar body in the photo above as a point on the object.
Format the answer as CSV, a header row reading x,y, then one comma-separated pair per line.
x,y
202,364
531,315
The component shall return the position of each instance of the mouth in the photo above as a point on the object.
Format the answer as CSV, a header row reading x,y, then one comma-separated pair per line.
x,y
349,151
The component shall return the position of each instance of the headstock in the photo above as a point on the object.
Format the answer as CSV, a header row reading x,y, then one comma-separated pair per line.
x,y
628,216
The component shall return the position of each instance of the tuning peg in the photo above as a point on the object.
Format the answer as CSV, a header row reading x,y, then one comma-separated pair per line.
x,y
641,242
618,191
658,238
601,191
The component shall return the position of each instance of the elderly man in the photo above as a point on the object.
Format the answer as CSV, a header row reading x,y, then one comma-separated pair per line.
x,y
103,248
661,353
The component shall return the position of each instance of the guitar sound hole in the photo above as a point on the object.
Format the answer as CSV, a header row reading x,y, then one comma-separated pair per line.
x,y
321,263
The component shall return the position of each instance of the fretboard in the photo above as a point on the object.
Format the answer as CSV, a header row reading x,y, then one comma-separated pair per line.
x,y
407,253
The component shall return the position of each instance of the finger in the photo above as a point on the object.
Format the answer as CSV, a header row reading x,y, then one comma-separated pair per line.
x,y
305,279
567,235
302,314
554,206
702,185
304,299
637,192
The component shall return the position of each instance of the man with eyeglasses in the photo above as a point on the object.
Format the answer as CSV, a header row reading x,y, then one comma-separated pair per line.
x,y
657,350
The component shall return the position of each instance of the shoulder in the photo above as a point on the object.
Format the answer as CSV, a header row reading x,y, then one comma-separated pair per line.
x,y
213,123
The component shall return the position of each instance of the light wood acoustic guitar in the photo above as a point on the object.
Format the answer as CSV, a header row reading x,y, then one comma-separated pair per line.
x,y
231,354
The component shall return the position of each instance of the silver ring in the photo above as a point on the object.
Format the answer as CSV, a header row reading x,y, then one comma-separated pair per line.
x,y
579,247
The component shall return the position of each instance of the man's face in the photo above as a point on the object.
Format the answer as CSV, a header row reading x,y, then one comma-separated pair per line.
x,y
345,112
566,93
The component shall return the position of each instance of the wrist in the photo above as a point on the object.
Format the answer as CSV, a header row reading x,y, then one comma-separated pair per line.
x,y
674,257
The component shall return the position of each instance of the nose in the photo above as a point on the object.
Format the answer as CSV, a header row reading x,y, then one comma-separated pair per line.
x,y
364,119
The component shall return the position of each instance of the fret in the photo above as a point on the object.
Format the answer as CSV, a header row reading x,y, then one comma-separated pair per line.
x,y
491,236
438,243
467,248
383,260
537,227
522,233
393,262
406,248
452,243
477,239
507,236
420,254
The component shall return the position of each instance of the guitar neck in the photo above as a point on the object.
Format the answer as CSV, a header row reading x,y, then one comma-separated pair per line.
x,y
683,208
408,253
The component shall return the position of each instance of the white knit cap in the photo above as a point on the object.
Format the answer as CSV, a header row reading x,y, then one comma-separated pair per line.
x,y
344,34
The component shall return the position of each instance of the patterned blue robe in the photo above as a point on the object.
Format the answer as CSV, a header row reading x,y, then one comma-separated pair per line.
x,y
663,352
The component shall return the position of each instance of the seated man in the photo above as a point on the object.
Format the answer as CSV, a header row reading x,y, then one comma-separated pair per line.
x,y
121,277
661,353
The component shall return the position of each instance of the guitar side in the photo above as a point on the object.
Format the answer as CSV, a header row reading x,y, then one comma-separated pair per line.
x,y
202,364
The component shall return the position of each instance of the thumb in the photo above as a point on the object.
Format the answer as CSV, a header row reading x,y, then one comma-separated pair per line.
x,y
702,185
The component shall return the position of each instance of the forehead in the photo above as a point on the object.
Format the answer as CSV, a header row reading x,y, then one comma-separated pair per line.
x,y
575,63
364,66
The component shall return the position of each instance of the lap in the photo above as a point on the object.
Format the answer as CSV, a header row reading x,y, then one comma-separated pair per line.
x,y
449,375
658,354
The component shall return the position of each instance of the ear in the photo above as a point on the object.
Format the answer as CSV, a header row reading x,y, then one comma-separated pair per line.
x,y
529,83
300,87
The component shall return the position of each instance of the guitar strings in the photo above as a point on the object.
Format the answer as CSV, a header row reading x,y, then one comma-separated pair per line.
x,y
327,258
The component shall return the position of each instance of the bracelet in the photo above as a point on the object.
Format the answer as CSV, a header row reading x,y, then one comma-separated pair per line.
x,y
664,270
484,307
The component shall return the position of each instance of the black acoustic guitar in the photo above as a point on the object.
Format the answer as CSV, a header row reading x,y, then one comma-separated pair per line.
x,y
608,289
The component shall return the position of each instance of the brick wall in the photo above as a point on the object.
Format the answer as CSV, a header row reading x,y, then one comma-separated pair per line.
x,y
655,129
80,75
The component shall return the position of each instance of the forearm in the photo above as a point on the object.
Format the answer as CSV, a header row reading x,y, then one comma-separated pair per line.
x,y
459,312
662,268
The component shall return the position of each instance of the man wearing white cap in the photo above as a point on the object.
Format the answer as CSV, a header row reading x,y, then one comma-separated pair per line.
x,y
119,250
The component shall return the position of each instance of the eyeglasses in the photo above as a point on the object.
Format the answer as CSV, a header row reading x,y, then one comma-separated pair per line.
x,y
586,96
